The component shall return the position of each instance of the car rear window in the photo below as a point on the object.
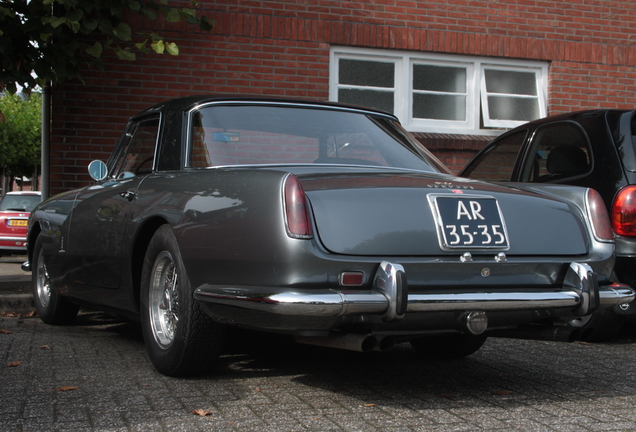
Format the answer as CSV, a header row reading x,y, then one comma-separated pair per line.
x,y
22,203
222,135
497,161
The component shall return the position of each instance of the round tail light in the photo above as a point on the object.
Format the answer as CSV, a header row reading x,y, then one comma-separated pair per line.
x,y
624,212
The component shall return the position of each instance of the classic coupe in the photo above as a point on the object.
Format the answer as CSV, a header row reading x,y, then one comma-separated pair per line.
x,y
322,221
593,148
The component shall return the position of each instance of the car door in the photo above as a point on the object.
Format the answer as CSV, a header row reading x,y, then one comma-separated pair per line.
x,y
99,219
558,152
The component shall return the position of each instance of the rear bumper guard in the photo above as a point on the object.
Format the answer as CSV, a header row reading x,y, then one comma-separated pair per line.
x,y
391,300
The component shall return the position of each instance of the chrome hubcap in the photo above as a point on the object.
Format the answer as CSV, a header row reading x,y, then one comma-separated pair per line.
x,y
43,284
164,299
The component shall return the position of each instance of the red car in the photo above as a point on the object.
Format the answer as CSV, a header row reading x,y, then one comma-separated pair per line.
x,y
15,208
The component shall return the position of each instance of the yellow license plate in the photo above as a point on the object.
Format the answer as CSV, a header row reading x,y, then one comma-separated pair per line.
x,y
18,222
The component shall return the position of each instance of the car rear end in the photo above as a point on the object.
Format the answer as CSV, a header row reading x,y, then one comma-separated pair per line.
x,y
15,208
408,254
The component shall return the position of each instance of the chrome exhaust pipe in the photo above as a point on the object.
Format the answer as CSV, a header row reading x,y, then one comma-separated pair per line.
x,y
542,333
346,341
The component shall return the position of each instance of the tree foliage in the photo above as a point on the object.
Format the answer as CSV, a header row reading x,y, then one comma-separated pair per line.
x,y
20,128
50,40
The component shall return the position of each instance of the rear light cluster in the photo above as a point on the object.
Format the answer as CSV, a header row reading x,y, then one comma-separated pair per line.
x,y
624,212
599,217
297,212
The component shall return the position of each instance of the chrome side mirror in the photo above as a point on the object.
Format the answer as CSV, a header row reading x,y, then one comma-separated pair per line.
x,y
97,170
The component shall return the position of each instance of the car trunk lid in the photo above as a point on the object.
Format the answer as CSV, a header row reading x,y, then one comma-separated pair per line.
x,y
412,214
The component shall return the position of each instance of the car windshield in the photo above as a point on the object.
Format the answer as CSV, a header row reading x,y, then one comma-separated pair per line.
x,y
23,203
223,135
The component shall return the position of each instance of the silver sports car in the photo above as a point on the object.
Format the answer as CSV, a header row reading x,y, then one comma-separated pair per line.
x,y
318,220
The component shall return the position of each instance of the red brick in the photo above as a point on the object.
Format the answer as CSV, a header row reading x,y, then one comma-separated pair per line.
x,y
282,48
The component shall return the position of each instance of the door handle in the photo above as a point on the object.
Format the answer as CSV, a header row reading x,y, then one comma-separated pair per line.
x,y
128,195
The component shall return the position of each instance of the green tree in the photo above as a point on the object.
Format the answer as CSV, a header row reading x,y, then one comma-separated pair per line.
x,y
20,128
45,41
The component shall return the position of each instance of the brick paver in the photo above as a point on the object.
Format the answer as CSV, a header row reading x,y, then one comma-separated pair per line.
x,y
271,384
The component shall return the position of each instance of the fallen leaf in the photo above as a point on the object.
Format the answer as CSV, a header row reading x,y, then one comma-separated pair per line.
x,y
45,347
504,392
257,389
14,364
5,331
66,388
368,405
201,412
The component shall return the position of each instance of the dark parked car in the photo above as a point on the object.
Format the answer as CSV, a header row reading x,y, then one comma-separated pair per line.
x,y
15,208
318,220
595,149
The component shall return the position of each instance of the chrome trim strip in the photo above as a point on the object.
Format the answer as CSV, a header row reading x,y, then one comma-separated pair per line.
x,y
20,239
492,301
387,282
615,294
333,304
580,293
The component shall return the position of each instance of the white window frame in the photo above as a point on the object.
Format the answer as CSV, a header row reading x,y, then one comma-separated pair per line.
x,y
540,97
476,106
397,84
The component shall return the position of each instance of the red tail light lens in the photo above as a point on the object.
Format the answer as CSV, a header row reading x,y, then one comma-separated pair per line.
x,y
599,217
624,212
296,209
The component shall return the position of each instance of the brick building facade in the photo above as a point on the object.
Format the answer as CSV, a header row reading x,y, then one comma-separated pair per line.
x,y
472,61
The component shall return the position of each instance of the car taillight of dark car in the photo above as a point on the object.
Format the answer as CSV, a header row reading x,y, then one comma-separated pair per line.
x,y
624,212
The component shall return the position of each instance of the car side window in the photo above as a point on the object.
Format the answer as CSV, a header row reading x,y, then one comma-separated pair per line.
x,y
497,161
138,155
557,151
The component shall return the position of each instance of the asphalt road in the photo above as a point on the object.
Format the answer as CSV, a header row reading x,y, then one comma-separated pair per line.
x,y
95,375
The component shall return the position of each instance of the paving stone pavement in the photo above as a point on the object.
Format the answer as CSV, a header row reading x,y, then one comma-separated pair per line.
x,y
95,376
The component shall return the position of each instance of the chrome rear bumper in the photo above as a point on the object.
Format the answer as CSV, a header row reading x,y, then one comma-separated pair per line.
x,y
390,299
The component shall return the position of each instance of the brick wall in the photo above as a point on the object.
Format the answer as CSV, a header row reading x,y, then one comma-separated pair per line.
x,y
281,48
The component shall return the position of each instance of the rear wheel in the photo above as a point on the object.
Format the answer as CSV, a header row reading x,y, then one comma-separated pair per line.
x,y
448,346
52,308
180,339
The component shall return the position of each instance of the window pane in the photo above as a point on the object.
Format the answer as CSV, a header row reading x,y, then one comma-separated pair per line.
x,y
513,108
366,73
498,162
439,78
558,150
370,98
139,155
244,135
439,107
509,82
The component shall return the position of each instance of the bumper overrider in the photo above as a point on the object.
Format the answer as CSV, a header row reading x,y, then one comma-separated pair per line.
x,y
389,301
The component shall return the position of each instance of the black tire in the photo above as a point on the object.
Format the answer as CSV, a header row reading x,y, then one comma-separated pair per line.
x,y
180,339
600,326
52,308
448,346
